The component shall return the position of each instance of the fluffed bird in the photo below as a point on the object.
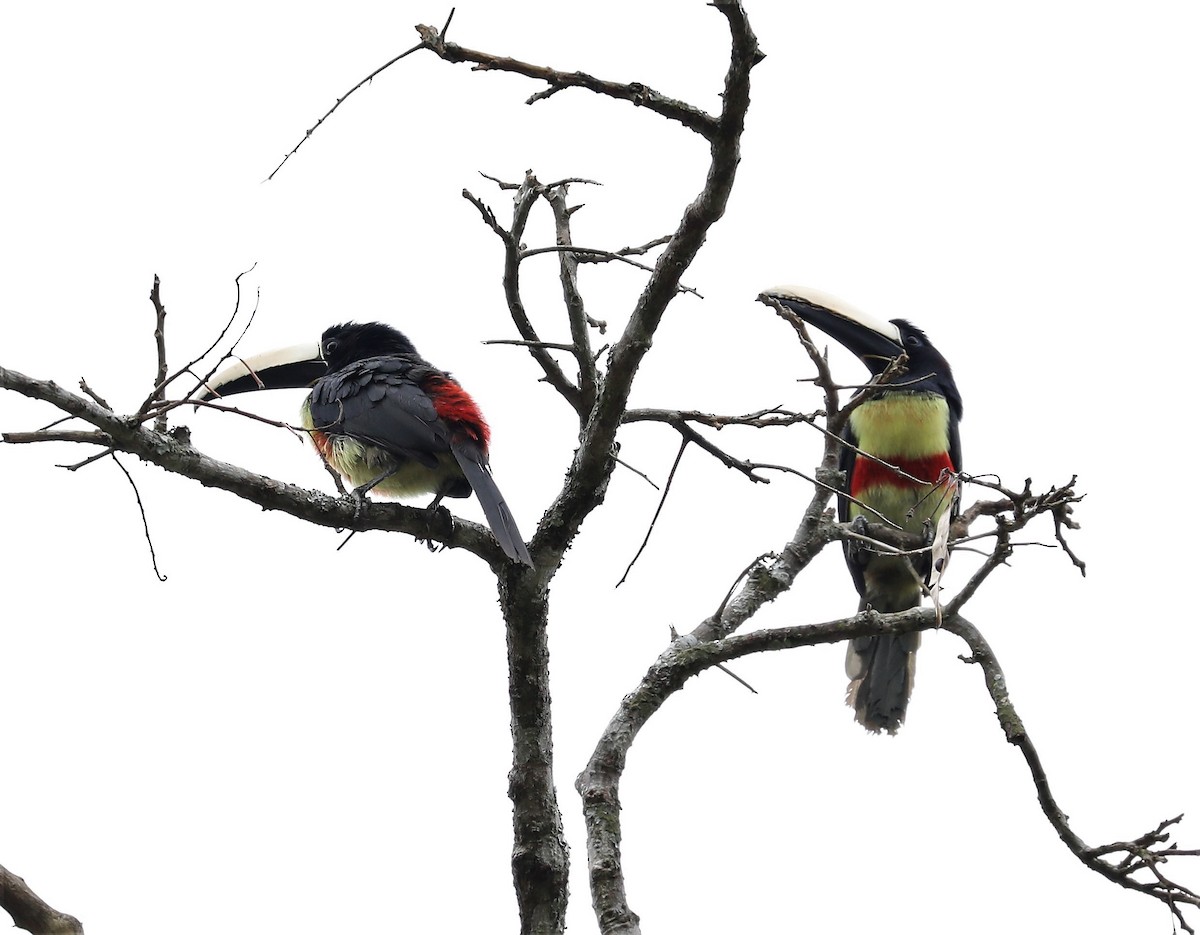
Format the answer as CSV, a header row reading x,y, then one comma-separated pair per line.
x,y
384,418
911,426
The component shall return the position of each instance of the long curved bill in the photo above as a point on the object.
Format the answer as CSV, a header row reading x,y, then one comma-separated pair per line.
x,y
293,367
863,335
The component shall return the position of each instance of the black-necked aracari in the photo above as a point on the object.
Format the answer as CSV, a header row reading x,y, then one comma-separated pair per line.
x,y
909,424
384,418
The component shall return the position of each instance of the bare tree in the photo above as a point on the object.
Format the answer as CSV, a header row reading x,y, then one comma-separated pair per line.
x,y
594,380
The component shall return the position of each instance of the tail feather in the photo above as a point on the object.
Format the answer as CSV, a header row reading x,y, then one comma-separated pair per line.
x,y
499,516
881,670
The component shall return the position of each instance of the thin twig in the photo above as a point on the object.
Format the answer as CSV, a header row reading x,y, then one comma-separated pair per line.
x,y
145,524
160,343
157,394
341,100
654,519
528,193
631,251
568,275
79,438
95,397
550,345
601,256
642,475
86,461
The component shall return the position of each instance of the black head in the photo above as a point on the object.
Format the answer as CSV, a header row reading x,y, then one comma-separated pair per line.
x,y
303,365
927,369
344,344
876,343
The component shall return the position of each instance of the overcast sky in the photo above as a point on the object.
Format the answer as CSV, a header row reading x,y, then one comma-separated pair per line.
x,y
285,738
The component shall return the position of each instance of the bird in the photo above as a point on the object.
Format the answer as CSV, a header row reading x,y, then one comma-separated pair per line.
x,y
905,428
384,418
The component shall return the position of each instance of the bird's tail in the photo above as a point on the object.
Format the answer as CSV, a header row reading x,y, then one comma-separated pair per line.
x,y
499,516
881,671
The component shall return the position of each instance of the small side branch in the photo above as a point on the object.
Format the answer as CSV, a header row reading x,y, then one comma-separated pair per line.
x,y
662,501
594,255
157,398
774,417
636,93
527,194
145,524
1149,852
679,423
568,274
79,438
628,251
160,343
365,81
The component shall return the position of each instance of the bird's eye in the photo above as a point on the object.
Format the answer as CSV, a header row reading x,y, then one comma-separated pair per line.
x,y
912,341
331,346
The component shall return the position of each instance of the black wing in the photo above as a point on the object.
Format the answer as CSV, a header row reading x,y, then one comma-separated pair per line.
x,y
379,401
847,459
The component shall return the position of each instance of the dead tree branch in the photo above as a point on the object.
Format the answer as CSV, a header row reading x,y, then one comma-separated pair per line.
x,y
1144,853
172,452
598,784
636,93
160,343
527,195
30,912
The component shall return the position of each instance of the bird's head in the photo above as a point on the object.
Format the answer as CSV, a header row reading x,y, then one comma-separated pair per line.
x,y
302,365
876,343
344,344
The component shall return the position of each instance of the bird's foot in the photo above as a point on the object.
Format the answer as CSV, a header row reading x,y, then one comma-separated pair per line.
x,y
359,496
856,550
430,515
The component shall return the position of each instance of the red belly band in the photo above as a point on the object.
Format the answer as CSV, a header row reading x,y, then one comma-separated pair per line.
x,y
868,473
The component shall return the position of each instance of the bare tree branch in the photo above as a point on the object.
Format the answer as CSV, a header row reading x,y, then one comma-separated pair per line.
x,y
142,511
78,438
654,519
593,255
528,192
177,455
628,251
160,343
775,417
30,912
638,94
365,81
568,274
599,783
1139,854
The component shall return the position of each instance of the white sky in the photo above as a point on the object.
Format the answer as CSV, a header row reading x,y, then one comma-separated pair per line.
x,y
242,750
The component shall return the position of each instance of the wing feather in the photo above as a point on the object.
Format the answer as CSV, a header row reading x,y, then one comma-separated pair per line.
x,y
378,401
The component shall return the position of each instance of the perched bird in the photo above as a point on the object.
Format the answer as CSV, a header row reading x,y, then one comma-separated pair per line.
x,y
385,418
911,426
